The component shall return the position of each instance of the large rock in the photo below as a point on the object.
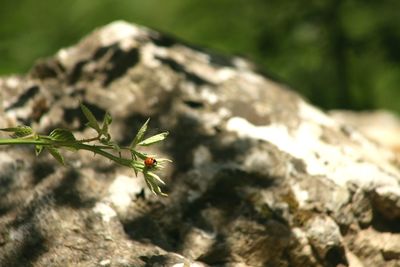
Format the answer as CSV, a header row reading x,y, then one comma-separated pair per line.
x,y
260,177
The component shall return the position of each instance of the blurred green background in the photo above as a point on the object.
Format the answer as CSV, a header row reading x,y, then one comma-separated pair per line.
x,y
339,54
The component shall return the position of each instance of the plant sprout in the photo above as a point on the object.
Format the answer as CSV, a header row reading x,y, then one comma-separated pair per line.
x,y
101,144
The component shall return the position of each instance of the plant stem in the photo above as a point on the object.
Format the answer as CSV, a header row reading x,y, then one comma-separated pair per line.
x,y
92,148
95,149
89,139
22,141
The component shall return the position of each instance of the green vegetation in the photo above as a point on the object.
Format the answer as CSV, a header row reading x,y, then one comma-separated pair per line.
x,y
339,54
101,144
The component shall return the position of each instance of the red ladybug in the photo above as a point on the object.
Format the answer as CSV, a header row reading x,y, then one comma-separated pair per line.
x,y
150,162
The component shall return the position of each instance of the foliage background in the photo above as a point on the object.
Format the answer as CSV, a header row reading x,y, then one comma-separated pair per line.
x,y
339,54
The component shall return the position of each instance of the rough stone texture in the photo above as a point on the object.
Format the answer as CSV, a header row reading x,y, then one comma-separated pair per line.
x,y
260,177
380,126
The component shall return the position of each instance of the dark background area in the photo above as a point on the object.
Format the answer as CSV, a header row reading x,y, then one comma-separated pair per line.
x,y
339,54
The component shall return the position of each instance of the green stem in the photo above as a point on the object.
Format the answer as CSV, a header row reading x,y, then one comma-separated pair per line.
x,y
92,148
22,141
95,149
89,139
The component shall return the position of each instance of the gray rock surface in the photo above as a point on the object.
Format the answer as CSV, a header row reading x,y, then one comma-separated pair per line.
x,y
260,177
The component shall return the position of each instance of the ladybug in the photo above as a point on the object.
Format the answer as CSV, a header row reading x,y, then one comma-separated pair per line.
x,y
150,162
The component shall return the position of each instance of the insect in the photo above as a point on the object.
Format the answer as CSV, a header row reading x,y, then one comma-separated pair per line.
x,y
150,162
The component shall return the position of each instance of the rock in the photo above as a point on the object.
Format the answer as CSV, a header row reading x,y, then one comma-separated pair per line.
x,y
386,200
380,126
380,249
362,208
325,237
301,251
259,177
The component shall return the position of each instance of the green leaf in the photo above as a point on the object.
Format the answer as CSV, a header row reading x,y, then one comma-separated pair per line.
x,y
155,178
153,182
139,136
106,122
38,149
135,168
138,165
161,162
19,131
62,135
114,145
138,154
154,139
92,122
56,154
106,140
